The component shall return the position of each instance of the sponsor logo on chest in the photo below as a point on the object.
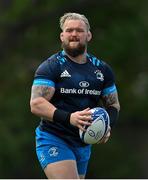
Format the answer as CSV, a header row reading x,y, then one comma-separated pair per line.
x,y
83,88
84,84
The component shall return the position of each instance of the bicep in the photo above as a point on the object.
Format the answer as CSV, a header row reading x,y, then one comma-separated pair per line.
x,y
42,91
111,100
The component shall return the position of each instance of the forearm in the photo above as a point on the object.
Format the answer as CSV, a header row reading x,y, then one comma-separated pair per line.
x,y
42,108
112,106
115,105
113,113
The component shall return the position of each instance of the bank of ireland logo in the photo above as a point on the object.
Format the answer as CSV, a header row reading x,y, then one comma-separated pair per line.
x,y
99,75
83,84
53,152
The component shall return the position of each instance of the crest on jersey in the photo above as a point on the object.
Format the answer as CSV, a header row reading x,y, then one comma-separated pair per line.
x,y
99,75
53,151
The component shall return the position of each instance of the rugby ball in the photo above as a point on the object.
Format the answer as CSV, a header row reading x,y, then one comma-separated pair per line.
x,y
96,131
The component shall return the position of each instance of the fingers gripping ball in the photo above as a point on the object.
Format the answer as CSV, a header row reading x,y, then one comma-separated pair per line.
x,y
96,131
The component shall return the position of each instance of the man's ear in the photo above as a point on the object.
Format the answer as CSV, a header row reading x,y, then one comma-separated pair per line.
x,y
89,36
61,36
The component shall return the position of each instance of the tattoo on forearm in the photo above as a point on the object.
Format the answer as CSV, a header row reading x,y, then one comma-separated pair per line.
x,y
42,91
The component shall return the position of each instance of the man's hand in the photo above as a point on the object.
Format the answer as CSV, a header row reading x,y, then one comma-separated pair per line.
x,y
81,118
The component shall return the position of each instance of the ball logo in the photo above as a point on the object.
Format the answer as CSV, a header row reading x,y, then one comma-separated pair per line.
x,y
97,135
83,84
91,133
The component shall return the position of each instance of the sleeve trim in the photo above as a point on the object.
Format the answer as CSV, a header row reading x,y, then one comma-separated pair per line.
x,y
43,82
109,90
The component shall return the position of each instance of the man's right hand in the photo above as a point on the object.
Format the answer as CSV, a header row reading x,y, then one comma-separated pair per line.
x,y
81,118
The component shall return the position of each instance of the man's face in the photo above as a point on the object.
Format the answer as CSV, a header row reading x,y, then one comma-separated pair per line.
x,y
75,37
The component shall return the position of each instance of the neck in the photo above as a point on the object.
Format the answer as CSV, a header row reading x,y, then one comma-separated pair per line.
x,y
81,59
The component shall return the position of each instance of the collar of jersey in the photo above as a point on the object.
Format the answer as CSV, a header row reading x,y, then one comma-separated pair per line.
x,y
64,54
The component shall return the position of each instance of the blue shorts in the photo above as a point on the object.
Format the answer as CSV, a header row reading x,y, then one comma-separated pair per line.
x,y
50,149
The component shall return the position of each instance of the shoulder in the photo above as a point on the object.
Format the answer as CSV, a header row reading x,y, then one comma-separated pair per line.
x,y
57,59
53,61
102,66
98,62
48,66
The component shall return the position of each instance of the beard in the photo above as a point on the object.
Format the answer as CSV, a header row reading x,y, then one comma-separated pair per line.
x,y
74,51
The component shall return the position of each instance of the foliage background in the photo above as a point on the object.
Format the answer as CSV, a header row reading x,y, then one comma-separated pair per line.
x,y
29,33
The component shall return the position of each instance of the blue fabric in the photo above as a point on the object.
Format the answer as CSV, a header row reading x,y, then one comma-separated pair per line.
x,y
50,149
109,90
43,82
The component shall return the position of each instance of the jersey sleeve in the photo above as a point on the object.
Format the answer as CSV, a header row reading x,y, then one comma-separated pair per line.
x,y
109,81
47,73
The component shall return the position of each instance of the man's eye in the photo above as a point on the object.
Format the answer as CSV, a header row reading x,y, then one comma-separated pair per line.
x,y
69,30
80,30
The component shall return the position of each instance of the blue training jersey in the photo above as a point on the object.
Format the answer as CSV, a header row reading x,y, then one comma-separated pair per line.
x,y
77,86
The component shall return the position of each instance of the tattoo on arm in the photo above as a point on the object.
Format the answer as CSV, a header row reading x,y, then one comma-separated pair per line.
x,y
42,91
110,99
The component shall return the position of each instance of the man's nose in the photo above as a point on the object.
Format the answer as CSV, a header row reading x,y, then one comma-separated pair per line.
x,y
74,33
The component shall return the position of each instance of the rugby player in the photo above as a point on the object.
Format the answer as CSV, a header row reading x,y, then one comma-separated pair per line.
x,y
65,87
